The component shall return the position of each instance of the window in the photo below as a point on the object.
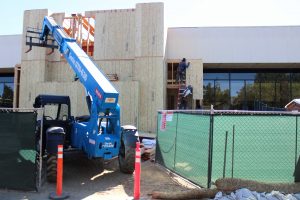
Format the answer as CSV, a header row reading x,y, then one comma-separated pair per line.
x,y
237,94
222,94
253,90
208,93
51,111
6,90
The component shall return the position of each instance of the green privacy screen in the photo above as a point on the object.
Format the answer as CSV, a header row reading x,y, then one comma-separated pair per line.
x,y
183,144
203,147
17,150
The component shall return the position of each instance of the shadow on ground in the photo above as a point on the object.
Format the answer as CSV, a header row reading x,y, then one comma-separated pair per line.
x,y
85,180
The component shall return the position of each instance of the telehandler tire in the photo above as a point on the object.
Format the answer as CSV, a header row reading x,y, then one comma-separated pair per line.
x,y
51,168
126,159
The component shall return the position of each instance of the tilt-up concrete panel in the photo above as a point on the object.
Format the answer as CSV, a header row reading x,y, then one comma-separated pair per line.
x,y
114,34
194,77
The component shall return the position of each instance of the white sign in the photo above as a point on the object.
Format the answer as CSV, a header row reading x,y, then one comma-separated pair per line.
x,y
169,116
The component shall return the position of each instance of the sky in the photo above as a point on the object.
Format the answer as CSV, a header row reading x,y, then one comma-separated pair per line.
x,y
178,13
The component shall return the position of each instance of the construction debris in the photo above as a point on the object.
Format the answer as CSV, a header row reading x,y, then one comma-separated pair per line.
x,y
190,194
228,185
232,184
148,150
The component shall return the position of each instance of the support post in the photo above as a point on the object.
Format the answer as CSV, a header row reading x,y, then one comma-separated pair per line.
x,y
210,147
232,151
225,154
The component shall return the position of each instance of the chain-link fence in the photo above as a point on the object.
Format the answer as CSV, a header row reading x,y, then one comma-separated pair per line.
x,y
20,163
203,146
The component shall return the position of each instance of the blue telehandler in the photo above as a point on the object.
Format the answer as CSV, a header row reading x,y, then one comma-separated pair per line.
x,y
99,135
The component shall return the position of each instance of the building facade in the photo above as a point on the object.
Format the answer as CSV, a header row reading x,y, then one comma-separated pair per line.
x,y
244,68
248,68
10,51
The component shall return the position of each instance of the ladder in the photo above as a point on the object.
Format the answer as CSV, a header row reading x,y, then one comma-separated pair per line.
x,y
181,88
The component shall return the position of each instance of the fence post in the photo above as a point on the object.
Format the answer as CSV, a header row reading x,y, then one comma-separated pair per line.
x,y
296,142
232,151
175,141
225,154
41,147
210,147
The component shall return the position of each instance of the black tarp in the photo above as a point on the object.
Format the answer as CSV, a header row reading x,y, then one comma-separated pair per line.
x,y
18,150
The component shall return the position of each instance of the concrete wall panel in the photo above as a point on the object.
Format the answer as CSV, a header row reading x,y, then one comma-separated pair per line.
x,y
114,35
194,77
31,73
33,19
59,72
149,40
123,68
149,72
128,101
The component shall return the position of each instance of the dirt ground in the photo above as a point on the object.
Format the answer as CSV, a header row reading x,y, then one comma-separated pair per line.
x,y
85,182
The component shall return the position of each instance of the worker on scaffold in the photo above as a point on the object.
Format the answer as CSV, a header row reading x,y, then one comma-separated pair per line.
x,y
181,70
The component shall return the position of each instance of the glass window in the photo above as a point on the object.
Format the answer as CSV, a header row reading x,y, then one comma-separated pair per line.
x,y
63,112
295,90
8,90
216,76
268,93
237,94
1,89
260,90
208,93
222,95
243,76
9,79
282,93
51,111
295,77
252,94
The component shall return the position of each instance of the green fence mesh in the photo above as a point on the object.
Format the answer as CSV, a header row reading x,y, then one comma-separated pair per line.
x,y
183,145
257,146
17,150
263,148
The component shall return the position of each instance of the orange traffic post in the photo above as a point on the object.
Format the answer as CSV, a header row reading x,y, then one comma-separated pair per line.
x,y
137,172
59,176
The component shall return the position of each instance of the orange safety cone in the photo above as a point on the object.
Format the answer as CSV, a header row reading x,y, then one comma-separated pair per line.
x,y
59,177
137,172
